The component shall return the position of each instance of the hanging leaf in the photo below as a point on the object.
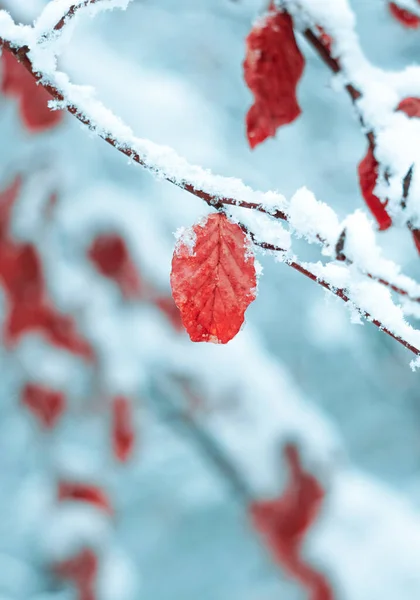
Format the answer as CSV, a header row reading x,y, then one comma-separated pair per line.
x,y
368,175
273,67
213,279
411,107
283,523
81,570
403,16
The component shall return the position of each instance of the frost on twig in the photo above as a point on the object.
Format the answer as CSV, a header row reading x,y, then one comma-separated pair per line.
x,y
307,217
376,94
59,14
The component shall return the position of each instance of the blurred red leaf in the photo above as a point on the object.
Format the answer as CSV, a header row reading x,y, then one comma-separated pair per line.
x,y
84,492
416,238
123,433
8,197
368,175
33,99
273,67
213,283
110,256
403,16
82,571
283,523
45,404
411,106
29,305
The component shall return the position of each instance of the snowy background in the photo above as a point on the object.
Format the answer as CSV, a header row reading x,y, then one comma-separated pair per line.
x,y
300,370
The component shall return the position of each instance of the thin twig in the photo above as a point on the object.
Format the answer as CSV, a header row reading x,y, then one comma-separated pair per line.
x,y
340,293
334,65
73,10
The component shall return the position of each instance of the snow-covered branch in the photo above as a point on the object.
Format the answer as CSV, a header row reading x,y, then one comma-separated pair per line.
x,y
376,95
59,13
358,279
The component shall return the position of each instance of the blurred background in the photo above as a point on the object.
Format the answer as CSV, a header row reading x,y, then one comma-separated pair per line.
x,y
134,463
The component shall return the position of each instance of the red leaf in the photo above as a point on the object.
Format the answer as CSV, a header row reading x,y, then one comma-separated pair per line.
x,y
404,16
12,74
81,570
84,492
7,199
411,107
273,67
33,99
110,256
61,330
416,238
45,404
368,175
35,112
283,523
29,307
123,434
24,279
213,283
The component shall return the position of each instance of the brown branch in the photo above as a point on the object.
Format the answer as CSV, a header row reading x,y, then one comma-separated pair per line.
x,y
278,214
334,65
22,56
73,10
340,293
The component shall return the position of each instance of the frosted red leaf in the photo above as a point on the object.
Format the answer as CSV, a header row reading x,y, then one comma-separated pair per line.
x,y
368,175
283,523
411,107
110,255
84,492
33,99
45,404
273,67
123,434
403,16
213,279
